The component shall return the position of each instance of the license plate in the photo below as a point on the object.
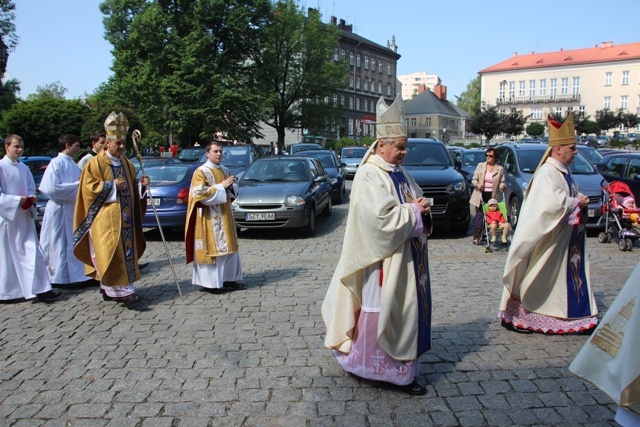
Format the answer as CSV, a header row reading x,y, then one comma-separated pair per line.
x,y
591,213
155,201
267,216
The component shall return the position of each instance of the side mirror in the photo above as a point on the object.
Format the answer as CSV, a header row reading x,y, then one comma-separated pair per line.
x,y
457,164
343,165
320,178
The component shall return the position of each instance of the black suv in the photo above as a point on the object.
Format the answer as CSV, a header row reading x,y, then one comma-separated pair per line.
x,y
433,168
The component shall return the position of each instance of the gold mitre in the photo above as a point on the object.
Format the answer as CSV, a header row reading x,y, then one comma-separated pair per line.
x,y
390,120
561,133
116,126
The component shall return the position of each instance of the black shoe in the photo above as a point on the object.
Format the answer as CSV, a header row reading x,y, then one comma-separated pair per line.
x,y
131,300
143,265
234,286
47,296
215,291
12,301
510,327
414,389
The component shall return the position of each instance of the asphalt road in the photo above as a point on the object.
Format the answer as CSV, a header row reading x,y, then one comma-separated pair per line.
x,y
256,357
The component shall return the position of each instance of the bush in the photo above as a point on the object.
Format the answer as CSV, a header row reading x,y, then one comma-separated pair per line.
x,y
616,143
475,145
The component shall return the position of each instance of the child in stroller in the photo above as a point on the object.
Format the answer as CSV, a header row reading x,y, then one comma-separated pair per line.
x,y
496,221
621,216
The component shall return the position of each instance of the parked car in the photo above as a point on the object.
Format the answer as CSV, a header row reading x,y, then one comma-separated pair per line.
x,y
283,192
169,190
603,141
622,166
237,158
35,163
293,149
469,160
351,157
432,167
592,154
520,162
334,168
533,140
191,154
148,161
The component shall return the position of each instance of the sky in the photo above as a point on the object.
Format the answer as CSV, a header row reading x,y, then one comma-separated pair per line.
x,y
62,41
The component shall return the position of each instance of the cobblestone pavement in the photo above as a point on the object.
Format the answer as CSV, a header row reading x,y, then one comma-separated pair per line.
x,y
256,357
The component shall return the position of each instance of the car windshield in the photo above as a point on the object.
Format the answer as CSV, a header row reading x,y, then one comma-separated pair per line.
x,y
277,170
327,159
191,154
353,153
591,154
236,156
426,155
472,159
529,160
166,174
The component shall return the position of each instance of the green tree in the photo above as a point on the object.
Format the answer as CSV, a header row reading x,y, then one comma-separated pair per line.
x,y
298,71
589,127
513,123
7,27
8,94
535,129
469,100
188,65
630,120
52,90
487,122
41,122
606,119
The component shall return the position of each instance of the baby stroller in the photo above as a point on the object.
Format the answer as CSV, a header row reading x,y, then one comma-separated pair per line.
x,y
620,221
498,244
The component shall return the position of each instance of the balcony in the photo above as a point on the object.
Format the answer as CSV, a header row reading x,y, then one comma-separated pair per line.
x,y
537,99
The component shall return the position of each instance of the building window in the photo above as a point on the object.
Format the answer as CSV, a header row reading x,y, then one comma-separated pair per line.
x,y
351,126
532,88
427,121
607,79
624,102
559,111
625,77
357,104
342,103
512,90
543,87
389,69
350,58
351,102
351,81
366,83
335,99
388,89
576,86
607,102
335,54
358,60
554,88
413,121
366,62
358,83
503,87
521,88
564,86
536,113
379,87
342,53
583,111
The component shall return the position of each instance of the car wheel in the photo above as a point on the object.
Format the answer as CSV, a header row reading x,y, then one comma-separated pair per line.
x,y
328,209
340,194
310,229
514,212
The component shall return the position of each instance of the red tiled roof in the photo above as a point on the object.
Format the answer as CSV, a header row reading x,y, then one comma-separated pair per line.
x,y
605,52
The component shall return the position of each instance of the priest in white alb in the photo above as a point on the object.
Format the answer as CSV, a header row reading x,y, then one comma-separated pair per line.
x,y
23,272
210,232
60,184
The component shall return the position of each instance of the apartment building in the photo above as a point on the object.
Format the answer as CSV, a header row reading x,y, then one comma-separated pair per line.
x,y
430,115
411,83
586,80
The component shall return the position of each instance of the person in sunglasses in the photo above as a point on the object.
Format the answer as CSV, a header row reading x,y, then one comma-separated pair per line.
x,y
488,183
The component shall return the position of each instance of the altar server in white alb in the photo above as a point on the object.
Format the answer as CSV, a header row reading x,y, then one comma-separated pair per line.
x,y
23,272
60,184
546,276
378,306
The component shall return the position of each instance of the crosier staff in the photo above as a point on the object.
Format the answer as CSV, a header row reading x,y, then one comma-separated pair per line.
x,y
136,136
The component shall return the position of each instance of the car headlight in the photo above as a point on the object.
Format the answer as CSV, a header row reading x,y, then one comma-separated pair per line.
x,y
524,186
294,201
456,187
333,181
234,204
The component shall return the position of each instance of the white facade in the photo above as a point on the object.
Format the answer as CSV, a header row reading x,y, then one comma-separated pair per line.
x,y
411,83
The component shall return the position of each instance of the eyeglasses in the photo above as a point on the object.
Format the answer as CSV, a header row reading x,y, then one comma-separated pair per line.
x,y
489,155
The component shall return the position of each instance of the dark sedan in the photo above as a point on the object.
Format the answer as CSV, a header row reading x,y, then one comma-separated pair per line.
x,y
623,167
237,158
191,154
334,168
283,192
169,194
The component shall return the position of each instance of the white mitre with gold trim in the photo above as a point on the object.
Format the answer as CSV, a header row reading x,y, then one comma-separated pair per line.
x,y
390,119
116,126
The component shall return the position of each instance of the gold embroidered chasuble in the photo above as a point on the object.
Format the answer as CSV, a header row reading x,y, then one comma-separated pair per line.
x,y
210,230
116,228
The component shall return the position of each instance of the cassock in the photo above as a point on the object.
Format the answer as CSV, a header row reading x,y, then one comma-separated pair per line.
x,y
546,276
610,359
377,310
60,184
107,223
210,232
23,273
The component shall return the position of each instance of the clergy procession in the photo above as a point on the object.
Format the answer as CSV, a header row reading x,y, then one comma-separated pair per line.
x,y
394,314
